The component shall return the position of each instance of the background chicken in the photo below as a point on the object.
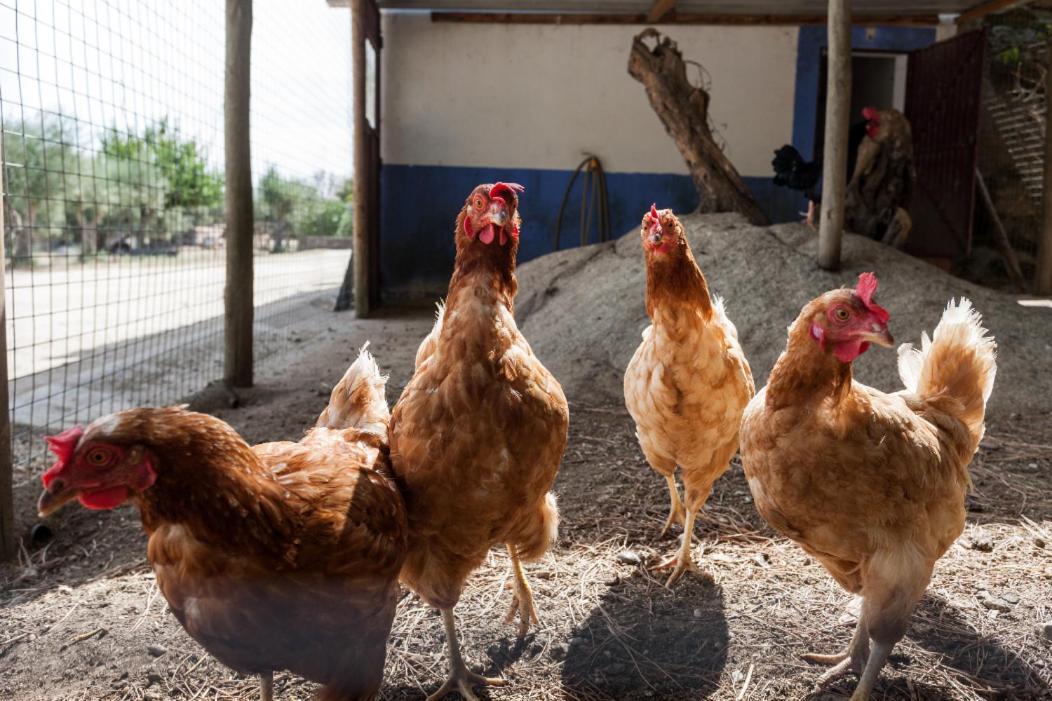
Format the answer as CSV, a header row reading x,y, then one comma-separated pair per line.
x,y
479,431
870,484
881,187
688,382
795,173
281,556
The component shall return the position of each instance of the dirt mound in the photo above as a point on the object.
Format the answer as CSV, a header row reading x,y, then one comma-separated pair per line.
x,y
583,312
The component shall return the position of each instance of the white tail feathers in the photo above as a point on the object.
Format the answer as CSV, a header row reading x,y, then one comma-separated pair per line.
x,y
955,368
359,400
430,342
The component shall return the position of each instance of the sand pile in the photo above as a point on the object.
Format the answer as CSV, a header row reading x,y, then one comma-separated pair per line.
x,y
583,312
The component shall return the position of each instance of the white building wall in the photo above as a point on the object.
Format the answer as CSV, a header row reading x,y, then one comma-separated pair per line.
x,y
539,96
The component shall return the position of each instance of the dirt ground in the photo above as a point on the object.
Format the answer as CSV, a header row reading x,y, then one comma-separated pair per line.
x,y
81,619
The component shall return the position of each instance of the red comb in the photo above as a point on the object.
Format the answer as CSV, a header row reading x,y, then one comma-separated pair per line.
x,y
63,446
866,288
654,213
499,189
870,113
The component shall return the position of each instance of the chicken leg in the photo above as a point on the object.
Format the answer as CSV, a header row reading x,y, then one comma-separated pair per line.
x,y
522,602
681,561
461,678
853,659
676,513
266,686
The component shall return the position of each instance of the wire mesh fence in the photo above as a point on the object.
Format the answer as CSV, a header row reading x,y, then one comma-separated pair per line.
x,y
111,118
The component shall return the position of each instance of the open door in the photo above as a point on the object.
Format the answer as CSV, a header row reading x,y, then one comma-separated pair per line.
x,y
363,273
943,97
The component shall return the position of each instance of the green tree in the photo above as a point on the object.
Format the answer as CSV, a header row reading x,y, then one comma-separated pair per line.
x,y
191,183
36,156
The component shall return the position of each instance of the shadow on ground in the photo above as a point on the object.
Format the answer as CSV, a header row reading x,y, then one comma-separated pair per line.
x,y
643,641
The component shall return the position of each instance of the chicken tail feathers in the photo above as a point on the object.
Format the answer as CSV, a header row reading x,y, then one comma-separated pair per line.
x,y
955,368
427,346
359,400
541,533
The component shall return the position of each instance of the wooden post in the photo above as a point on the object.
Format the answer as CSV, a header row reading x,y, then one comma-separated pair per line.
x,y
239,216
7,502
362,190
1043,269
838,106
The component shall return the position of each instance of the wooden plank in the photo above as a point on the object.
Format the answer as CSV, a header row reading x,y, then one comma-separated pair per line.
x,y
363,200
689,18
660,10
1004,245
238,297
988,8
838,107
7,502
1043,268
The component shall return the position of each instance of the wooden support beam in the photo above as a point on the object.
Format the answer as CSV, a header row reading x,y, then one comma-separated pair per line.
x,y
362,190
989,7
834,153
7,502
1043,269
237,360
685,18
660,10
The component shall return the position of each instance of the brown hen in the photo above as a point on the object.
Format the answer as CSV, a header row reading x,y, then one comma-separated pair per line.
x,y
688,382
477,436
279,556
870,484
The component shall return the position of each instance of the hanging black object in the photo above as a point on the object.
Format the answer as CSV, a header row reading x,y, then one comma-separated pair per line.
x,y
593,196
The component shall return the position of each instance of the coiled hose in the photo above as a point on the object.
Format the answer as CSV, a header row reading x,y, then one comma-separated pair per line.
x,y
593,196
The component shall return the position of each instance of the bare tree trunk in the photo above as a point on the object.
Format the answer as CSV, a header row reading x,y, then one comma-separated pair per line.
x,y
24,237
684,110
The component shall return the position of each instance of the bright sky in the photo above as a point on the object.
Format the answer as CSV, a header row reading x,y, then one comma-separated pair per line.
x,y
131,62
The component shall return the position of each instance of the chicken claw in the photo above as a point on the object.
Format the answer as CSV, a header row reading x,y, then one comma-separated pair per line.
x,y
522,601
461,679
851,660
682,560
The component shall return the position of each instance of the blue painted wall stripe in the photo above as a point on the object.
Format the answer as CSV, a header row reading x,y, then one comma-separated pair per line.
x,y
419,205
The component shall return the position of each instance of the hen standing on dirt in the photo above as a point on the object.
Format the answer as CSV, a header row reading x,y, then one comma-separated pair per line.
x,y
279,556
870,484
688,382
477,436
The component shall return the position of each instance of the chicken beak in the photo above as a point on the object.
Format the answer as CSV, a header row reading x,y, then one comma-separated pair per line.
x,y
54,498
498,216
879,335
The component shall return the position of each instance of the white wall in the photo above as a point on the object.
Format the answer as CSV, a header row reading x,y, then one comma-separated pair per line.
x,y
538,96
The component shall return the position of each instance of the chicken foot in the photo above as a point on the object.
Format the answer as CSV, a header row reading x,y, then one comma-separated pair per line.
x,y
682,560
676,512
461,679
522,601
266,686
853,659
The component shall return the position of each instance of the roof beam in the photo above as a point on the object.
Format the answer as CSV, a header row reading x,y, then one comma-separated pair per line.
x,y
989,7
660,10
901,20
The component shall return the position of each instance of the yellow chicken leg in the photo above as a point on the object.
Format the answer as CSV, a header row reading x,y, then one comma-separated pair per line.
x,y
682,560
461,679
522,602
676,513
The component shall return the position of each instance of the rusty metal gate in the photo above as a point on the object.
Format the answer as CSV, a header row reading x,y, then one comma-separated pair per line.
x,y
943,96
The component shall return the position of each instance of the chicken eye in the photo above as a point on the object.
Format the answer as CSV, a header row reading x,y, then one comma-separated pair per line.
x,y
841,314
97,457
479,204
